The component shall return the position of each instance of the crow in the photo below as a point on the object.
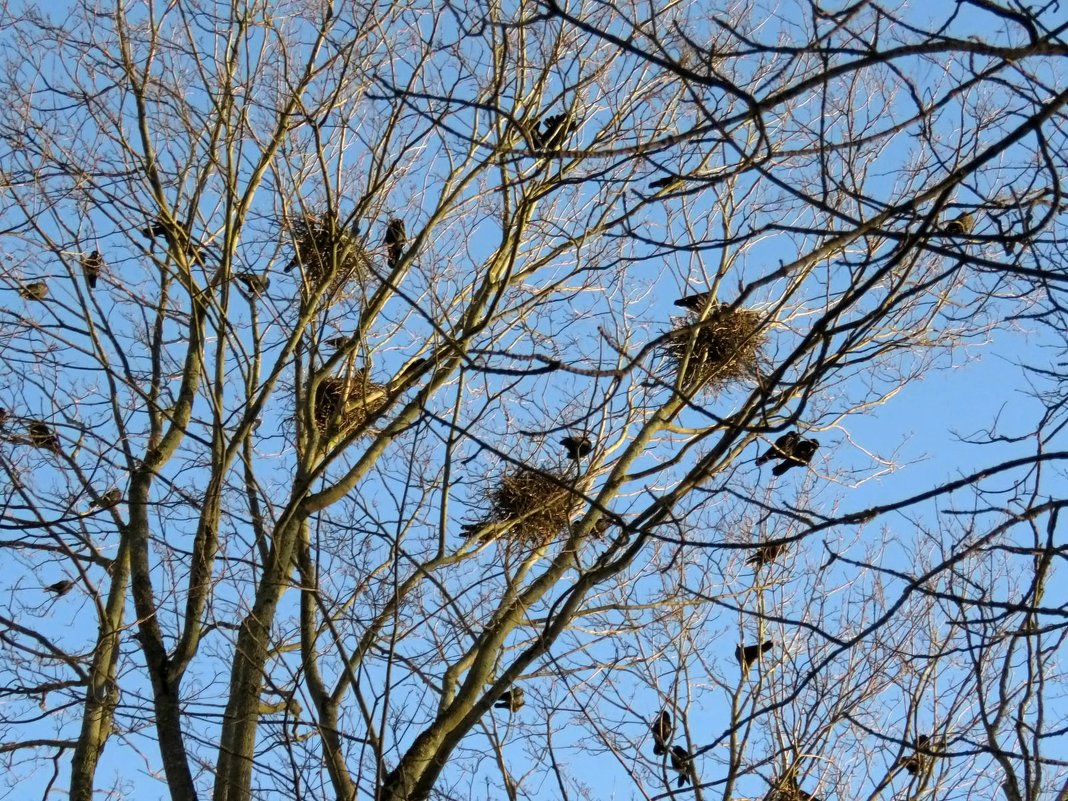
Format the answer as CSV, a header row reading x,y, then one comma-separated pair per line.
x,y
110,498
60,588
41,436
661,183
255,284
682,764
782,449
154,230
748,654
801,456
395,240
511,699
337,343
919,762
696,302
35,290
577,448
765,554
557,128
662,731
3,417
962,224
91,267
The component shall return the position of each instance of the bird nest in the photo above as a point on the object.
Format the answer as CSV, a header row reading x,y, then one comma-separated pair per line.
x,y
534,506
328,251
341,405
721,349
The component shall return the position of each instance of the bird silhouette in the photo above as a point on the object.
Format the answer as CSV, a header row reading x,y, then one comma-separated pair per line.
x,y
110,498
41,436
91,267
748,654
919,762
682,763
557,128
801,455
788,789
959,225
4,413
661,183
765,554
662,731
395,240
511,699
35,290
782,449
60,588
255,284
154,230
577,448
696,302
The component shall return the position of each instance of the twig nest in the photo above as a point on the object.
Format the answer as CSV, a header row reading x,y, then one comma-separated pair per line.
x,y
342,405
721,349
534,506
326,250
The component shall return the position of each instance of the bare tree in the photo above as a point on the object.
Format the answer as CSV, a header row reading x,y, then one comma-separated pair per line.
x,y
456,401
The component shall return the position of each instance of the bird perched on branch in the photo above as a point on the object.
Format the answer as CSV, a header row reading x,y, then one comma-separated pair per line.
x,y
557,128
800,456
60,588
255,284
697,302
662,731
511,699
577,448
91,267
766,554
154,230
920,762
682,763
782,449
110,498
959,225
395,240
35,290
41,436
748,654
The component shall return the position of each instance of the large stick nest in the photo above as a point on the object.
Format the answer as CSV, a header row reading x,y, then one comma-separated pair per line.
x,y
342,405
721,349
320,244
529,505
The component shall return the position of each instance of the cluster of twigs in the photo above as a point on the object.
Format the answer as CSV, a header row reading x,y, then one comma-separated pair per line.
x,y
721,349
343,405
324,248
534,506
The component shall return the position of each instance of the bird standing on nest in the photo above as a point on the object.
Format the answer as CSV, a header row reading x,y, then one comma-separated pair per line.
x,y
91,267
697,302
748,654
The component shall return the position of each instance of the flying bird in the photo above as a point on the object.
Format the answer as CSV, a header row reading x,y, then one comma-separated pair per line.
x,y
782,449
696,302
959,225
801,455
511,699
682,763
748,654
110,498
577,448
255,284
60,588
91,267
35,290
662,731
765,554
395,240
41,436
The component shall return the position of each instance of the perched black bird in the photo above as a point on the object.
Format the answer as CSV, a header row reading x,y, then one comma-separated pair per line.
x,y
557,128
60,588
41,436
154,230
661,183
920,762
35,290
3,417
696,302
337,343
962,224
748,654
255,284
682,763
782,449
110,498
511,699
765,554
801,455
91,267
395,240
410,368
577,448
662,731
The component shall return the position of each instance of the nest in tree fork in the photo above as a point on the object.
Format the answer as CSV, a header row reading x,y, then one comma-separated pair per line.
x,y
531,505
720,349
324,248
342,405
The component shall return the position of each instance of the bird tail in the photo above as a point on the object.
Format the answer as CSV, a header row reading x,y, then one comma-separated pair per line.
x,y
783,466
